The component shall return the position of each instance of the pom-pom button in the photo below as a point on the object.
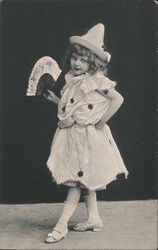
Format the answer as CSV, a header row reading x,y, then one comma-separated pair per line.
x,y
72,100
90,106
63,109
106,91
80,173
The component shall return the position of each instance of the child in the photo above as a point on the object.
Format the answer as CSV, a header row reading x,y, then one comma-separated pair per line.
x,y
83,153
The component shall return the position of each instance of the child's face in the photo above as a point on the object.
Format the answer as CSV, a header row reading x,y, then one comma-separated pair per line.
x,y
79,64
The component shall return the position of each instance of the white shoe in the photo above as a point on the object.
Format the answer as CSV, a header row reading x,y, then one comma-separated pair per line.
x,y
95,226
56,235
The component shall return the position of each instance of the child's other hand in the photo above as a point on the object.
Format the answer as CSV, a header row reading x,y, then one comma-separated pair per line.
x,y
62,124
100,125
66,123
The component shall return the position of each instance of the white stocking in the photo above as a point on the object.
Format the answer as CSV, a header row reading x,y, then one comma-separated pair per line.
x,y
69,208
92,207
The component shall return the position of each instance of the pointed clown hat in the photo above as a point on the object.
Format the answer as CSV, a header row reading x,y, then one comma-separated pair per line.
x,y
93,40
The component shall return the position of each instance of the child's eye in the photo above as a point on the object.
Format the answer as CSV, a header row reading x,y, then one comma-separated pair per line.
x,y
73,58
84,61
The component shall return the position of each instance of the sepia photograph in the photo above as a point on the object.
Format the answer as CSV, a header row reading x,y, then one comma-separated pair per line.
x,y
78,128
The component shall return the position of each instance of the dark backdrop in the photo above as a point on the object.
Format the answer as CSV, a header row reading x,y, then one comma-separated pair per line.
x,y
32,29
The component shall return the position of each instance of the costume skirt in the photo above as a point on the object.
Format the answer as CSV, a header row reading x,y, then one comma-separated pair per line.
x,y
87,149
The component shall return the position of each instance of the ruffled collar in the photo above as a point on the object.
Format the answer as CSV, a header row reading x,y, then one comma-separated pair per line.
x,y
87,82
69,77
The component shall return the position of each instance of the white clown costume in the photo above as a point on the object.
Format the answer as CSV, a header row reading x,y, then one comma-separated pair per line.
x,y
82,155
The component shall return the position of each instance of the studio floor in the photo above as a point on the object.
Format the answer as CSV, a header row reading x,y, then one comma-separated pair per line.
x,y
127,225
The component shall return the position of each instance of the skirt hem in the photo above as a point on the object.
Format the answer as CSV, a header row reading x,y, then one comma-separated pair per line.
x,y
81,184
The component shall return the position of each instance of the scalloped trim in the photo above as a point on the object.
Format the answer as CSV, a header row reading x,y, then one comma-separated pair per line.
x,y
81,184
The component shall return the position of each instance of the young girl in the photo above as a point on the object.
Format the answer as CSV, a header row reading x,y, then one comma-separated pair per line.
x,y
83,153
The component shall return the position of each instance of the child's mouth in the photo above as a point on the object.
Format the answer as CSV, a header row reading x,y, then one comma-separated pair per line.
x,y
77,69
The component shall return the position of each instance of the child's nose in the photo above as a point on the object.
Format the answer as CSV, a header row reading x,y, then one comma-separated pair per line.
x,y
77,62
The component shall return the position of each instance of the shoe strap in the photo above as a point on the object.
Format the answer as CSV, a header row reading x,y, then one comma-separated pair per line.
x,y
56,230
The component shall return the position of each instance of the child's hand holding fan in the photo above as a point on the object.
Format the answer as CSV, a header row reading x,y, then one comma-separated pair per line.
x,y
50,96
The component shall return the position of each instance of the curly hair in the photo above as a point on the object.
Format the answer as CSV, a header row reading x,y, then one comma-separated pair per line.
x,y
95,63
